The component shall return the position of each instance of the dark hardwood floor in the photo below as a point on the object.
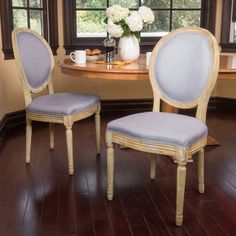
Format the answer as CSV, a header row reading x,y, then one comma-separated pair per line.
x,y
42,199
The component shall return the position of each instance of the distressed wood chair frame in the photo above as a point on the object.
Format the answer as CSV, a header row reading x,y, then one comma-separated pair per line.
x,y
181,154
67,120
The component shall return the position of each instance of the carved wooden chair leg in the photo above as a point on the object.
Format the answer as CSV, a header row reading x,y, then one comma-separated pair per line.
x,y
28,139
153,159
97,127
51,135
181,177
201,185
69,141
110,167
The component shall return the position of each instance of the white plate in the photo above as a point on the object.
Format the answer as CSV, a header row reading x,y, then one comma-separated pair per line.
x,y
93,58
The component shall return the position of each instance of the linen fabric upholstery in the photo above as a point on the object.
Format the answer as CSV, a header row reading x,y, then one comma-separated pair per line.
x,y
160,127
183,65
63,103
35,59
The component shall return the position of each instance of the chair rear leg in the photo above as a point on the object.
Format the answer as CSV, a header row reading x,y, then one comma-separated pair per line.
x,y
110,167
28,139
201,185
153,159
69,141
97,128
51,135
181,177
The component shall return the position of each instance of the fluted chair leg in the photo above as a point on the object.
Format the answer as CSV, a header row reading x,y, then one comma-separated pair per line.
x,y
153,160
28,139
181,177
69,141
97,127
51,135
110,167
201,185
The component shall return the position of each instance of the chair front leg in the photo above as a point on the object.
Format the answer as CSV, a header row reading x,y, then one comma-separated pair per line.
x,y
201,185
51,135
69,141
28,139
97,128
153,159
110,167
181,177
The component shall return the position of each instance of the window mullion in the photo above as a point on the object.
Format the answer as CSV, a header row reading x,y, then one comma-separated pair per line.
x,y
171,12
28,14
46,22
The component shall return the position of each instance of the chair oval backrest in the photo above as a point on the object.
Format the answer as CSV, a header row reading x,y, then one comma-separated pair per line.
x,y
34,57
183,63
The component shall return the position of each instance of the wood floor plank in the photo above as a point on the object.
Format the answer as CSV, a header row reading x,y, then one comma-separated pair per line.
x,y
199,210
118,218
141,230
225,223
131,208
83,215
155,221
49,226
66,205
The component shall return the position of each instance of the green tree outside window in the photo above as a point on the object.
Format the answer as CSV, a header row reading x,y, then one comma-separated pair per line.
x,y
180,13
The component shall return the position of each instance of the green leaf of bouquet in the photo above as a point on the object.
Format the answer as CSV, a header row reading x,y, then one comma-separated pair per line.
x,y
137,35
105,20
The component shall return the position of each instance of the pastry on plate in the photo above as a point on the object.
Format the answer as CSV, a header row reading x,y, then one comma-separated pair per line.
x,y
95,52
88,51
93,55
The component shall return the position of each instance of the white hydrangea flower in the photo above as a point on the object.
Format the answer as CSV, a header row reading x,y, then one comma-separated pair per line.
x,y
135,22
146,14
117,13
114,30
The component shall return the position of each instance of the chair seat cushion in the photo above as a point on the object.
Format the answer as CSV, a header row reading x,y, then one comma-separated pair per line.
x,y
160,127
63,103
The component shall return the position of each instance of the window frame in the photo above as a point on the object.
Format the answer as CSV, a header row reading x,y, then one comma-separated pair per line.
x,y
50,28
225,43
71,42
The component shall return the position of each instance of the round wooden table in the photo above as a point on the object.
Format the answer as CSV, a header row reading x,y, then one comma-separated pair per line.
x,y
91,70
134,71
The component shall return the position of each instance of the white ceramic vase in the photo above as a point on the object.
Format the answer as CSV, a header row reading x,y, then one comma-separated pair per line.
x,y
128,48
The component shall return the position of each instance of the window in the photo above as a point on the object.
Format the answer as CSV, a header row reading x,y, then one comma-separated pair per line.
x,y
228,27
84,24
38,15
30,14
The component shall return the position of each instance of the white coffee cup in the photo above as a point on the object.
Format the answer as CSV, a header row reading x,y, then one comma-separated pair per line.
x,y
148,56
78,56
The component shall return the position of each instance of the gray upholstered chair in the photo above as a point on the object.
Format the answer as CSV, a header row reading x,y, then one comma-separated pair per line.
x,y
35,63
183,70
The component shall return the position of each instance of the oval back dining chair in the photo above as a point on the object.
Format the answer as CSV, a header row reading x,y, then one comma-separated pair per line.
x,y
35,63
183,70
